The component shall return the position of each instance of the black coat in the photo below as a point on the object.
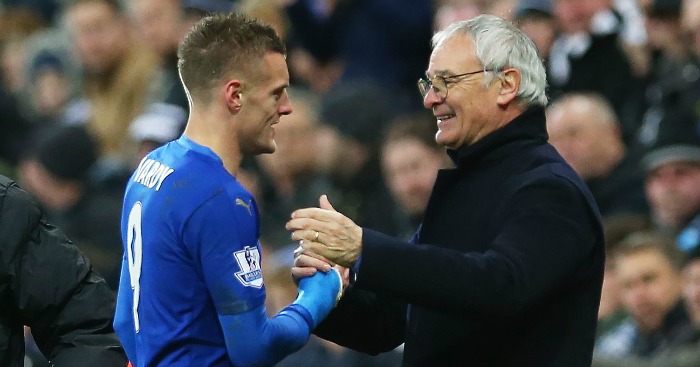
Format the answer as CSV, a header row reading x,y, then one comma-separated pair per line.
x,y
48,284
506,269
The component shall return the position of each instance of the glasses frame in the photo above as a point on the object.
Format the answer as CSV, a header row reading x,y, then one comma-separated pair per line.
x,y
425,84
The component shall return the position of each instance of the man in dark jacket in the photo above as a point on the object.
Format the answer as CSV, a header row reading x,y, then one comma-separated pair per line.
x,y
507,267
47,284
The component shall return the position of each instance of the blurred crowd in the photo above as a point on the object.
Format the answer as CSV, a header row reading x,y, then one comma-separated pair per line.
x,y
88,87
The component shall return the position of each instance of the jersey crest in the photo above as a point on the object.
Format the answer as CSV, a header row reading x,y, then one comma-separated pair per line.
x,y
249,261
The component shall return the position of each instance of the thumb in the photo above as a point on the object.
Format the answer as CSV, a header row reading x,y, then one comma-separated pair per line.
x,y
325,204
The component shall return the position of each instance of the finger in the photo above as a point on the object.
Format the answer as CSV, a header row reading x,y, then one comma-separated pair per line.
x,y
324,215
298,251
310,235
302,272
307,260
329,252
311,224
318,257
324,203
344,274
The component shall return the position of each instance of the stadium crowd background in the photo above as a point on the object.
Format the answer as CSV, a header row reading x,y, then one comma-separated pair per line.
x,y
87,87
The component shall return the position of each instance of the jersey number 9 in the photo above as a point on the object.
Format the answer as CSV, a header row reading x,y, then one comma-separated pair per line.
x,y
134,251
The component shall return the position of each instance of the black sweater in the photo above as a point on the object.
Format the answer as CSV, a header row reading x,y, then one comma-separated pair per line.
x,y
506,269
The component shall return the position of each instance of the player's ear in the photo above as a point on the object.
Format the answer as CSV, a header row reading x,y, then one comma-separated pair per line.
x,y
233,95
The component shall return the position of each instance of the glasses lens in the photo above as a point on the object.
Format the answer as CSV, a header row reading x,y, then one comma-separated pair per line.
x,y
440,87
423,87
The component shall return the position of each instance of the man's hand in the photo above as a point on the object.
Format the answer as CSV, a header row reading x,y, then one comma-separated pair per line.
x,y
306,265
325,234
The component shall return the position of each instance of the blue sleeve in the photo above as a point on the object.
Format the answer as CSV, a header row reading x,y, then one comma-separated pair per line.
x,y
222,238
123,318
254,340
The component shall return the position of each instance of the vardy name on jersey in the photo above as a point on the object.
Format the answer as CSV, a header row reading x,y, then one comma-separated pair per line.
x,y
152,173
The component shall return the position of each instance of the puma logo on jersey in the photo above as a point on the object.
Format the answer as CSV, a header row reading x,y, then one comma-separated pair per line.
x,y
244,204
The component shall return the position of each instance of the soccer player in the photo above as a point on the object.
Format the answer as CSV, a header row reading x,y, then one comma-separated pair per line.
x,y
191,291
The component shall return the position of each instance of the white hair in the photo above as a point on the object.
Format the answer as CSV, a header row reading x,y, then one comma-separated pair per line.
x,y
500,45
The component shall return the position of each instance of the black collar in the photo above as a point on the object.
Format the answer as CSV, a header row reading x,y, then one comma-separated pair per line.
x,y
528,128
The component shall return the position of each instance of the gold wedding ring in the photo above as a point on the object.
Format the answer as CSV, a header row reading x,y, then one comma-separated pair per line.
x,y
316,237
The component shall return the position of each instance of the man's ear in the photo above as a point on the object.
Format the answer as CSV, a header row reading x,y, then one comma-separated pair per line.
x,y
510,84
233,96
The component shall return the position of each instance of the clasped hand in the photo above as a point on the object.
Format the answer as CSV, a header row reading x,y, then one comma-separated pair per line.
x,y
326,238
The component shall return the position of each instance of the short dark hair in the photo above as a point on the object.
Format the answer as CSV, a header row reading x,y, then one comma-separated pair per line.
x,y
221,42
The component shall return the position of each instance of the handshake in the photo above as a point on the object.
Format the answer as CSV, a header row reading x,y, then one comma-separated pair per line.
x,y
329,244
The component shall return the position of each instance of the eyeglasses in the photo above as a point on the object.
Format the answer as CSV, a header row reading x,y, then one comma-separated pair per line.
x,y
440,83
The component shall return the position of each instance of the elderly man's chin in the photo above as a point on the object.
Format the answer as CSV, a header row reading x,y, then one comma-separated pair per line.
x,y
446,139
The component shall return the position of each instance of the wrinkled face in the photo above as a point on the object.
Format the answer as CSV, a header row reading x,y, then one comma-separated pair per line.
x,y
410,168
158,22
463,117
649,287
264,100
672,191
691,290
99,35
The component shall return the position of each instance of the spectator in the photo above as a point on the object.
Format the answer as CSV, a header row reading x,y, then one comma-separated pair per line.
x,y
611,313
673,77
535,18
15,124
56,170
161,25
50,87
649,270
410,162
586,132
672,181
583,61
358,112
116,72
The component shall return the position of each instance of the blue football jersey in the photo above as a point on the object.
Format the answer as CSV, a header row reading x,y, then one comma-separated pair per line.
x,y
190,233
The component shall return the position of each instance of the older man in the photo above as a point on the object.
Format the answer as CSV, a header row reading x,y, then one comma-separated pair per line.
x,y
507,267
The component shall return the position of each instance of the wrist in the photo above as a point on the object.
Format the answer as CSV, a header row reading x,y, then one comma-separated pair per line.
x,y
319,293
